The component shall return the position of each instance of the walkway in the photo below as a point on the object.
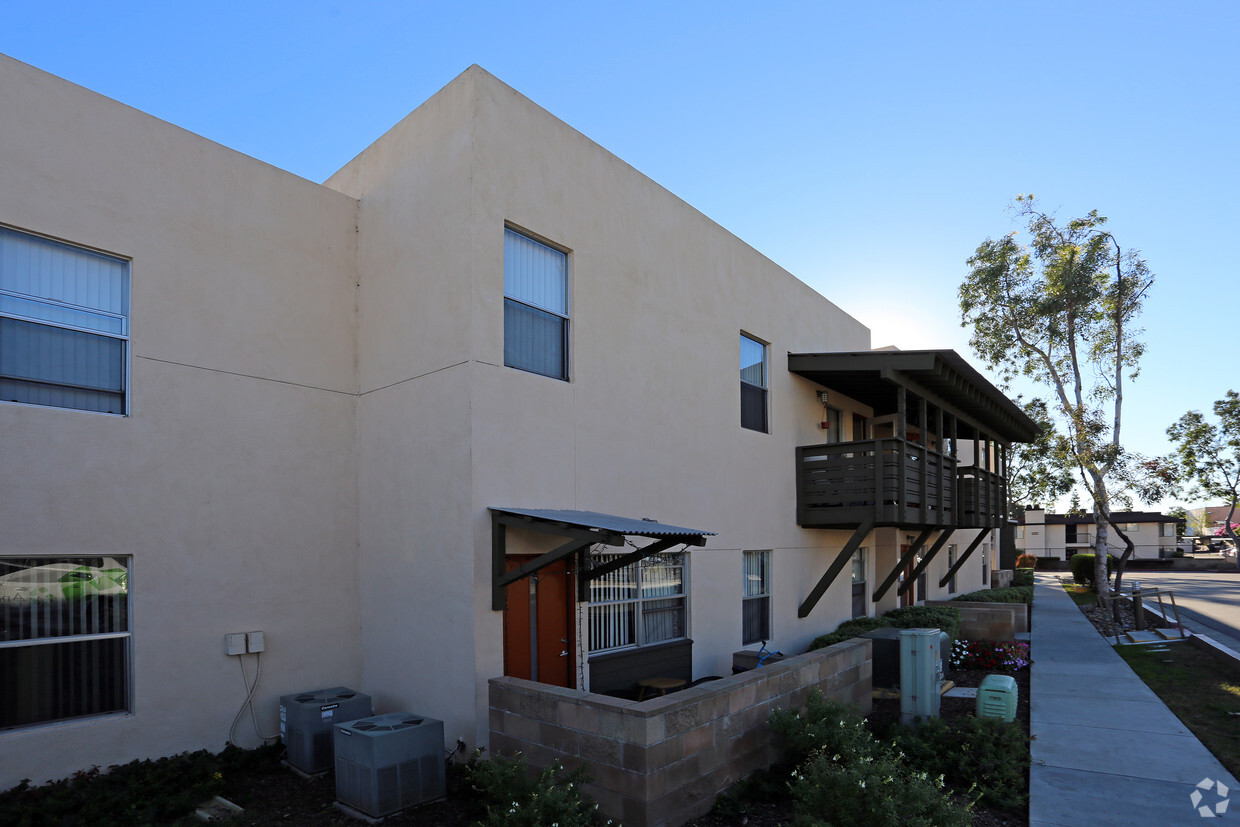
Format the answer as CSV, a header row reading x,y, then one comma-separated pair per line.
x,y
1106,750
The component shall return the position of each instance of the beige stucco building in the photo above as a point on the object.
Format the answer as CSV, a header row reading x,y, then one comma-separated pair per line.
x,y
1042,534
236,400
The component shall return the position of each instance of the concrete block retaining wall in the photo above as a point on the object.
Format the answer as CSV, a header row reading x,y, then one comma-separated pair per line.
x,y
988,621
661,762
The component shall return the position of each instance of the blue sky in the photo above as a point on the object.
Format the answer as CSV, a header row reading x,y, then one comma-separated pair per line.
x,y
866,147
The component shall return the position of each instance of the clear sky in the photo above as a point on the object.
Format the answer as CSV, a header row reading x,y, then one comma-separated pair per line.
x,y
868,148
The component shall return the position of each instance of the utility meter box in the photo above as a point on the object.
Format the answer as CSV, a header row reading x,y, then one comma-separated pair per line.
x,y
921,674
996,698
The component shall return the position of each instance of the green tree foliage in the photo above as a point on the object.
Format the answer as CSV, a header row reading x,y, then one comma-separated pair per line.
x,y
1061,311
1208,454
1038,471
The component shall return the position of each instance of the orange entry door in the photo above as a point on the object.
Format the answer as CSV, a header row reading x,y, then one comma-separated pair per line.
x,y
539,640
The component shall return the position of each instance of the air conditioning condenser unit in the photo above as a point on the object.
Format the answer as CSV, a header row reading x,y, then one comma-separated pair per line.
x,y
307,719
389,762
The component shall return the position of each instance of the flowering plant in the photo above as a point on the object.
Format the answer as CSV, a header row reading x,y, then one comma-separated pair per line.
x,y
991,655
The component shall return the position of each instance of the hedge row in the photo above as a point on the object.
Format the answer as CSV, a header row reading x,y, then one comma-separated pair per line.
x,y
944,618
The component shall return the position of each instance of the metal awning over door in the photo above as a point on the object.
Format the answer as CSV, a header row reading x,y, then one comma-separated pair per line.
x,y
582,530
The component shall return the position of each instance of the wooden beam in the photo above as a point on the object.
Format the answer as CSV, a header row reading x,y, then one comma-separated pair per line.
x,y
925,561
610,538
585,575
837,565
977,541
904,561
543,560
499,553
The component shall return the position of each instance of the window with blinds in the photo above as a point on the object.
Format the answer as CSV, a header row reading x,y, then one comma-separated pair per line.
x,y
638,605
756,597
64,638
535,306
64,325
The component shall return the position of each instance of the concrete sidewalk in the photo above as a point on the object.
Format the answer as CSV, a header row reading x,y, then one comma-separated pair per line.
x,y
1106,750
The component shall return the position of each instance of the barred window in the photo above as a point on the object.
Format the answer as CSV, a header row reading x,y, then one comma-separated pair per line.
x,y
638,605
64,638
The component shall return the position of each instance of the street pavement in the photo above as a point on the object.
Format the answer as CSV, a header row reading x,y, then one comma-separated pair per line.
x,y
1209,602
1106,751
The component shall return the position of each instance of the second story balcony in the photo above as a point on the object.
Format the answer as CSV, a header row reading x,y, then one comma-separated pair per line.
x,y
940,435
893,481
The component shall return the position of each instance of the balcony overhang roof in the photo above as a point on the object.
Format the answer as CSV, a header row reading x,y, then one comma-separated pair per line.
x,y
942,377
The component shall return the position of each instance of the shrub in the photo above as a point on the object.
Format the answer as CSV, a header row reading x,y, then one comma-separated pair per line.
x,y
825,725
1011,594
877,791
141,792
986,752
944,618
1023,577
849,629
845,775
515,796
1082,567
1027,561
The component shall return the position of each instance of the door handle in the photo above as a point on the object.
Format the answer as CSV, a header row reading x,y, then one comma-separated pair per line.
x,y
564,654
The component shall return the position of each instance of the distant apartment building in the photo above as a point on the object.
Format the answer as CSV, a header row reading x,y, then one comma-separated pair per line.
x,y
1060,535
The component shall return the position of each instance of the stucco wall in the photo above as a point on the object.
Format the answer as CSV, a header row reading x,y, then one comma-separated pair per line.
x,y
232,483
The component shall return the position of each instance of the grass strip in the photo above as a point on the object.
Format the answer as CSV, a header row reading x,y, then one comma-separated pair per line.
x,y
1201,687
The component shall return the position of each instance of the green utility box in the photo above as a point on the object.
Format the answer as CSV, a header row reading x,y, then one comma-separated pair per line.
x,y
996,698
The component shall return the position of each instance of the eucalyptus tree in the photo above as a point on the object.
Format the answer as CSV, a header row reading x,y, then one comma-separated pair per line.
x,y
1208,455
1061,311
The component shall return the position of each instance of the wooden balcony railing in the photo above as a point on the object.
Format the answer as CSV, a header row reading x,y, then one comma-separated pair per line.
x,y
983,498
893,481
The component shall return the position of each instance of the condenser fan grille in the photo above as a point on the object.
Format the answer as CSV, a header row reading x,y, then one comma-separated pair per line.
x,y
368,726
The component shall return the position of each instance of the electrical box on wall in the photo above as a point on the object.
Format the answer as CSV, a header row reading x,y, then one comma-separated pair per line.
x,y
234,644
254,641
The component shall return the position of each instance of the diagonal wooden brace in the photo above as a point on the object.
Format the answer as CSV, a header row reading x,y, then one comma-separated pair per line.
x,y
904,561
834,569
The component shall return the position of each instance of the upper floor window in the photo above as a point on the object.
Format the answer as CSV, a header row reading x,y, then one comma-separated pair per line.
x,y
756,597
753,384
535,306
1020,532
1167,529
64,325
